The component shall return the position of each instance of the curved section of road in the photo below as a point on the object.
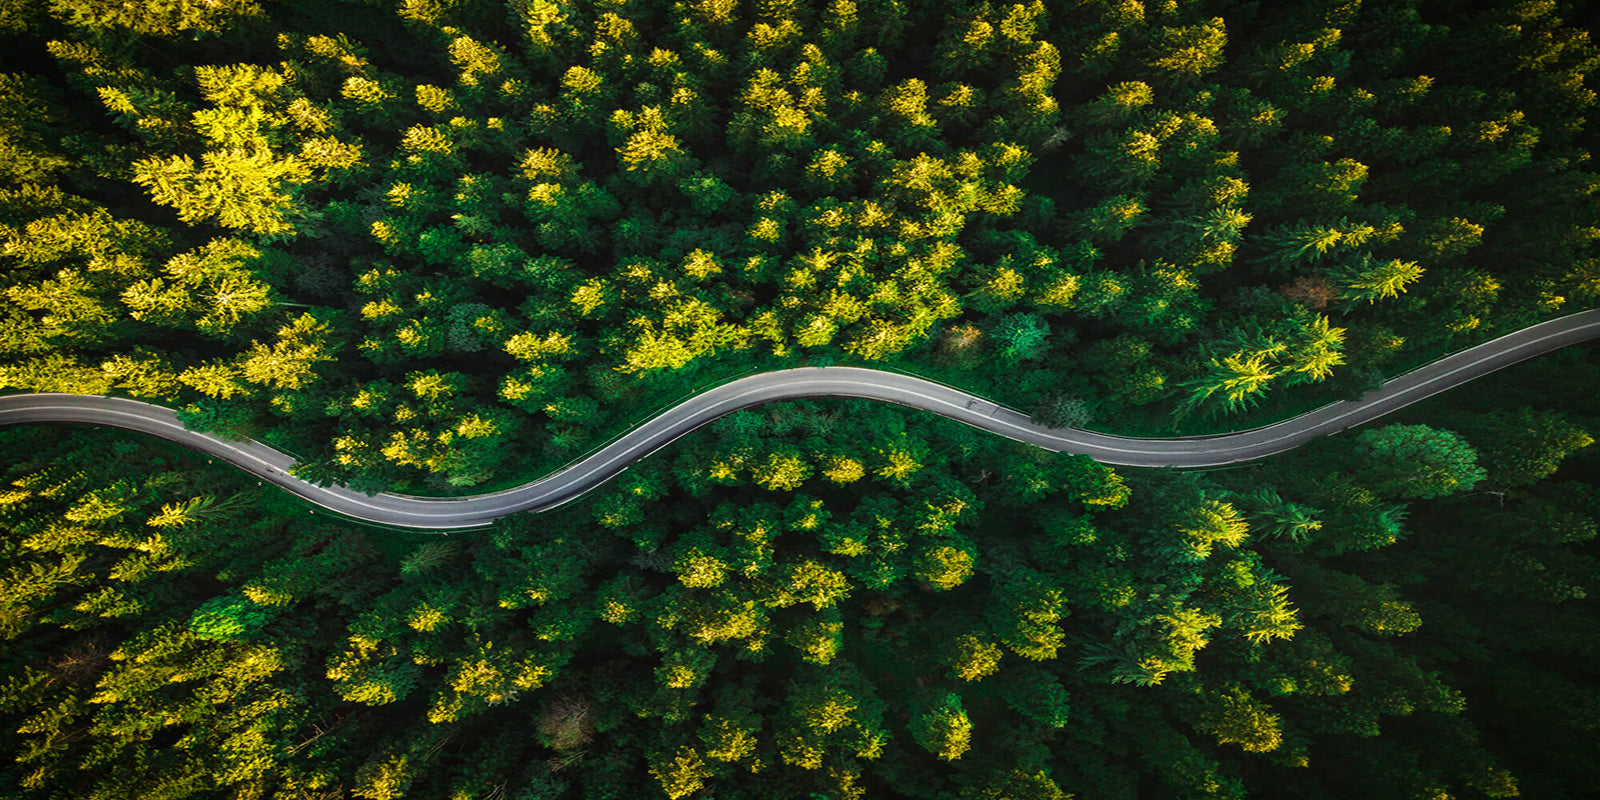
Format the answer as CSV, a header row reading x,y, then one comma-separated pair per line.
x,y
450,513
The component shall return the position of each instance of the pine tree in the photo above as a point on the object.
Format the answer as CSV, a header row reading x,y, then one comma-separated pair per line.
x,y
1372,279
972,657
1023,612
157,20
1190,52
287,363
941,726
1237,718
236,188
1416,461
1238,380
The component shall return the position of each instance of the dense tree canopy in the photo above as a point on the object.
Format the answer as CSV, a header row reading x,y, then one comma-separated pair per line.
x,y
446,246
1167,213
1022,630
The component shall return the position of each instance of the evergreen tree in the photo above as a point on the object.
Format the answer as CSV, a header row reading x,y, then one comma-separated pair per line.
x,y
1416,461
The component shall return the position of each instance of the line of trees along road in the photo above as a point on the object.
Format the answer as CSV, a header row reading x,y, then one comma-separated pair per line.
x,y
442,244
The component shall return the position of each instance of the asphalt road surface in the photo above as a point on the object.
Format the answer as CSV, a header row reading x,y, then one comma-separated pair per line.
x,y
653,434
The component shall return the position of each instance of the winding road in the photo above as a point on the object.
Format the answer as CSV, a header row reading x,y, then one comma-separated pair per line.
x,y
451,513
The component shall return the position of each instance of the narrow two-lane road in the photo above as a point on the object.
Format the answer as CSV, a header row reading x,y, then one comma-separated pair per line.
x,y
655,433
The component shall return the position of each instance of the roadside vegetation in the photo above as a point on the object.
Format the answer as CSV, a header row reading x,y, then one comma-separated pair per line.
x,y
443,245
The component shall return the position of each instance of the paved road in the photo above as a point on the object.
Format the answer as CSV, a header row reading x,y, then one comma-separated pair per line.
x,y
567,484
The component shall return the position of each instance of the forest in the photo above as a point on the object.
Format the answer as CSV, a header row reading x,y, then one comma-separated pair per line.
x,y
443,247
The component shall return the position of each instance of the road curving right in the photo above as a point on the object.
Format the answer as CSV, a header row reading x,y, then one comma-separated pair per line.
x,y
452,513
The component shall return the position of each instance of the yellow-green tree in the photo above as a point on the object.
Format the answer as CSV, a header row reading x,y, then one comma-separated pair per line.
x,y
940,725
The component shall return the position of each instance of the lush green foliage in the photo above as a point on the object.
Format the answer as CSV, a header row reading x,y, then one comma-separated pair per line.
x,y
994,623
448,243
434,245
